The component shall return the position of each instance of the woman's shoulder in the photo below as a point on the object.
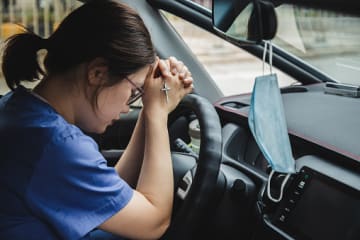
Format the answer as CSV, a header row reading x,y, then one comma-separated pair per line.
x,y
20,108
26,115
71,136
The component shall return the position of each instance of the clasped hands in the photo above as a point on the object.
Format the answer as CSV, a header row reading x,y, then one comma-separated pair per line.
x,y
168,81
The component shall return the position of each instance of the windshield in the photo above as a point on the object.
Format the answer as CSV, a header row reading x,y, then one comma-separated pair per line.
x,y
327,40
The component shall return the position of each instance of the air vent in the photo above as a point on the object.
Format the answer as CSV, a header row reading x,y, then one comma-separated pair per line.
x,y
293,89
235,105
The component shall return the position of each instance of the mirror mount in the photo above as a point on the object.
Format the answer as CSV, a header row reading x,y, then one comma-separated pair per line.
x,y
244,21
269,20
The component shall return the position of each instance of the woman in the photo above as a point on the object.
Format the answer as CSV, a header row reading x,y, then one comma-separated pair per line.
x,y
54,183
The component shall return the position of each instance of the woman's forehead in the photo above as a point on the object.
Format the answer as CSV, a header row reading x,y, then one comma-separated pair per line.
x,y
140,76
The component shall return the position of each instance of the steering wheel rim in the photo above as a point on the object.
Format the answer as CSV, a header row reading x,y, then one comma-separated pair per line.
x,y
196,205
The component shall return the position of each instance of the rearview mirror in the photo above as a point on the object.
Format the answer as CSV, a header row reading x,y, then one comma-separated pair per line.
x,y
245,21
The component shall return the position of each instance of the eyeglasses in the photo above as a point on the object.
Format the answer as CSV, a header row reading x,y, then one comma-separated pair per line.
x,y
135,94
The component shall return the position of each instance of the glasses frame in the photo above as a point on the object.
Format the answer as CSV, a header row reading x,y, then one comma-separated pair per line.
x,y
134,98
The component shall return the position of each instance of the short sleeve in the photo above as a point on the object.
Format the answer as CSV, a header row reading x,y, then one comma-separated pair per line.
x,y
73,189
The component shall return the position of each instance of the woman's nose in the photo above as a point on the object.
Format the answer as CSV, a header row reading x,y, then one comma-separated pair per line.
x,y
126,109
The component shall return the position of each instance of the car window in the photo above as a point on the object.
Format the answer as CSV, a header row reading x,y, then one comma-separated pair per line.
x,y
327,40
205,3
41,17
233,69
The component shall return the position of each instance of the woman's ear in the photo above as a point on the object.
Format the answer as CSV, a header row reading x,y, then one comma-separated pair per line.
x,y
97,71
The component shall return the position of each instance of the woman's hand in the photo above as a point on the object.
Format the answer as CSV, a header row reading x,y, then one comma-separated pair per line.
x,y
178,67
174,76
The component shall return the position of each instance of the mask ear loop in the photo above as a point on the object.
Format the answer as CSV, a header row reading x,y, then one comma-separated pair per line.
x,y
283,184
281,188
267,45
286,179
264,57
270,56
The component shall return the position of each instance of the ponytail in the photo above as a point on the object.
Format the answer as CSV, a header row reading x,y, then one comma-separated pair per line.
x,y
124,43
20,61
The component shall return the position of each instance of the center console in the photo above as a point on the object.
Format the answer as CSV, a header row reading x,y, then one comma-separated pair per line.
x,y
316,206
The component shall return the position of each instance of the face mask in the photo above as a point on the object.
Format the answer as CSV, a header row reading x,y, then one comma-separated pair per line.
x,y
268,126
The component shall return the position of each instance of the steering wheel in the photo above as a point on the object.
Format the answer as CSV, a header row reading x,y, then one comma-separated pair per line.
x,y
199,201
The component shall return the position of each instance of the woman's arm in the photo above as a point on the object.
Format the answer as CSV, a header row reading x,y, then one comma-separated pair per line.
x,y
131,160
148,213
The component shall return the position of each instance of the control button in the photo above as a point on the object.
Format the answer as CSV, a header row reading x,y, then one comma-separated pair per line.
x,y
282,218
289,206
185,185
297,193
301,184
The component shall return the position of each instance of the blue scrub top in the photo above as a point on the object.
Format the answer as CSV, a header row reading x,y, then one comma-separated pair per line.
x,y
54,183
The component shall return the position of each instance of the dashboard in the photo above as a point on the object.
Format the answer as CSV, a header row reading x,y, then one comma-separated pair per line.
x,y
321,201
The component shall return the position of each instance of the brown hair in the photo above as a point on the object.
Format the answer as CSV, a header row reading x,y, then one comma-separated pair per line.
x,y
99,28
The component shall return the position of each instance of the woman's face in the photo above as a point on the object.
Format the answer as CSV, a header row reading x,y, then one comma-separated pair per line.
x,y
113,101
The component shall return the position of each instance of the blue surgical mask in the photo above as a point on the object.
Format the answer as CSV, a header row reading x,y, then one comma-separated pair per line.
x,y
268,126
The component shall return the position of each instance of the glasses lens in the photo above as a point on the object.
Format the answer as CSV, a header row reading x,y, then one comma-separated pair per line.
x,y
135,96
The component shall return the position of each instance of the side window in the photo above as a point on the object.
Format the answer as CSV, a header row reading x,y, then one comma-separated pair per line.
x,y
39,16
204,3
233,69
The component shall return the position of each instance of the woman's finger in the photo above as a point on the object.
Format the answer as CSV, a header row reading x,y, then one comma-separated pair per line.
x,y
188,81
173,62
164,69
184,72
176,66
